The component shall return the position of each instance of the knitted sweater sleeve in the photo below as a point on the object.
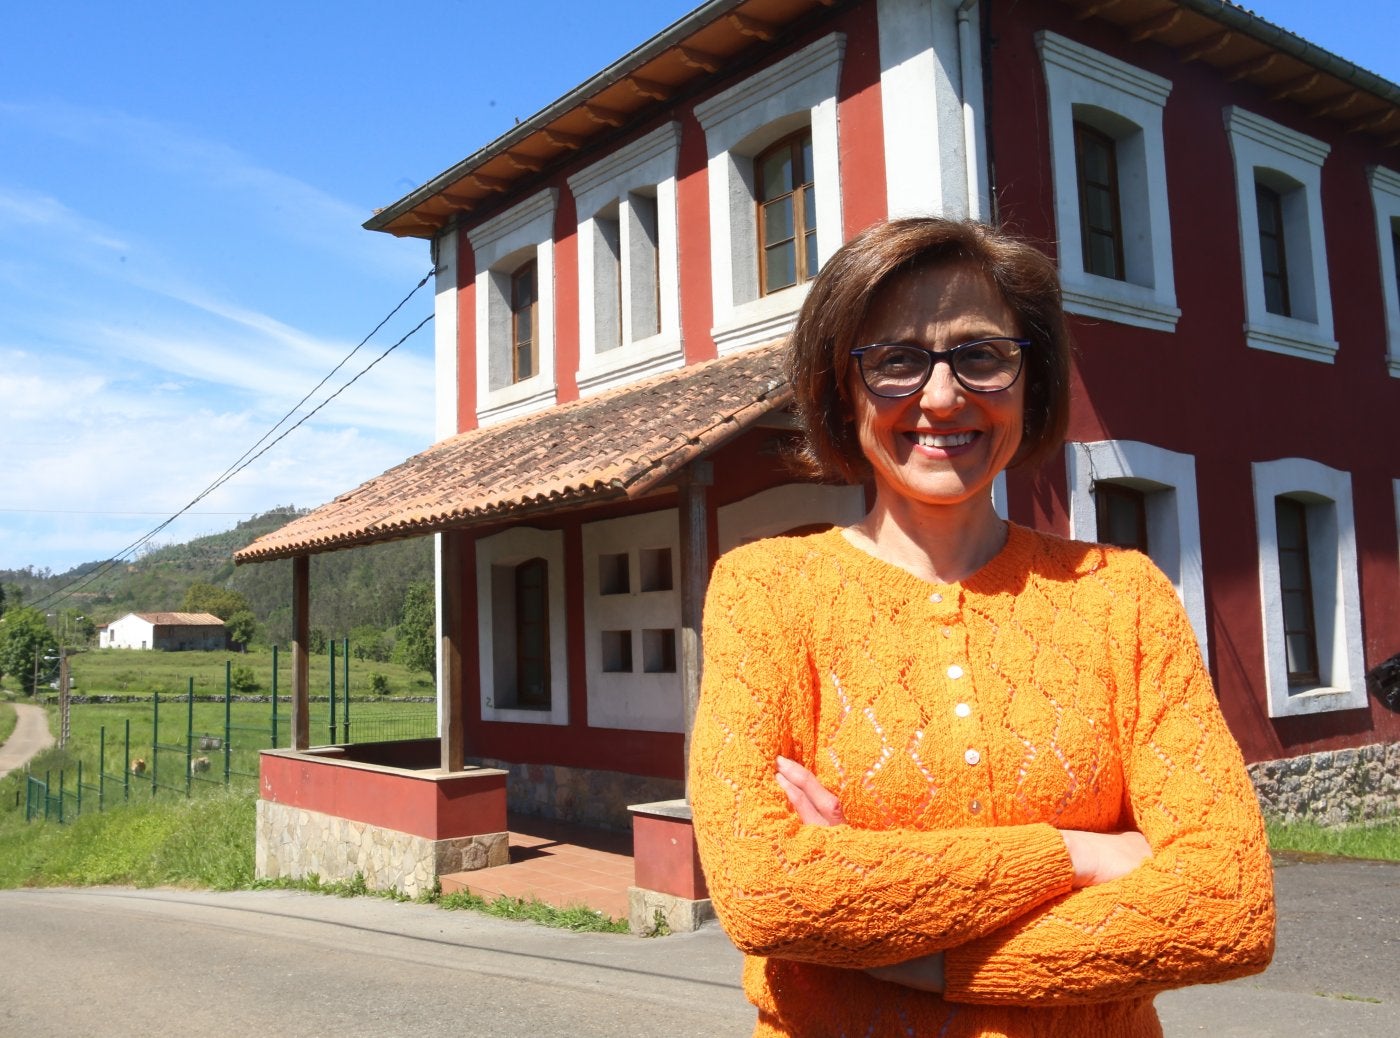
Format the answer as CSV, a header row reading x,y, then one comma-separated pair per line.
x,y
837,895
1201,908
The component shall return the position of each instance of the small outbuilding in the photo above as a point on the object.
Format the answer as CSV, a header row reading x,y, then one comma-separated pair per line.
x,y
173,632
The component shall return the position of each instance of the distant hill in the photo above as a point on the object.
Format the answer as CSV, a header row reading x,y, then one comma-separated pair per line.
x,y
358,587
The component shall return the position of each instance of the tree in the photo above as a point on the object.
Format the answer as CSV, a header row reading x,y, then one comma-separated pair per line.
x,y
25,640
242,625
210,598
417,642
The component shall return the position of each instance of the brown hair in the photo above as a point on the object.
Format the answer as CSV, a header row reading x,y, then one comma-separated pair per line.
x,y
819,360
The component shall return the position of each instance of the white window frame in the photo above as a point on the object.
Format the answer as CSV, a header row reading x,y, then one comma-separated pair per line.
x,y
1336,588
1168,480
1261,145
1126,103
636,701
647,164
795,92
445,317
1385,193
510,548
501,245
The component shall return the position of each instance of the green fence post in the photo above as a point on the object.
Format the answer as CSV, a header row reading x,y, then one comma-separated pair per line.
x,y
61,793
101,767
155,739
80,788
189,740
228,715
345,668
331,648
48,777
274,697
126,763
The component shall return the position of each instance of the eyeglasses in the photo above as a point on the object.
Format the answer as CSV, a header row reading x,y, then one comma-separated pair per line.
x,y
898,369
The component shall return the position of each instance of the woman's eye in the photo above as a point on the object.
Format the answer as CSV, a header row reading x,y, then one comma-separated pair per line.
x,y
894,362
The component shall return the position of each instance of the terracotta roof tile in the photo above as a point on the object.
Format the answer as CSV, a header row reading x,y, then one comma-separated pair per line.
x,y
181,619
613,446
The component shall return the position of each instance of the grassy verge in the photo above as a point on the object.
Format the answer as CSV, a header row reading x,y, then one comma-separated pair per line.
x,y
1380,841
8,717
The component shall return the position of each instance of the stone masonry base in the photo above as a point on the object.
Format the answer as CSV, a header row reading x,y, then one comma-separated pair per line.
x,y
586,796
1333,787
651,913
295,843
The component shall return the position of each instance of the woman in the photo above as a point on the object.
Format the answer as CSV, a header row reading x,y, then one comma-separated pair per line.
x,y
951,776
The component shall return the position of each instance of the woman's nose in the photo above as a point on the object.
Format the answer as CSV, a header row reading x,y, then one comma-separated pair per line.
x,y
942,392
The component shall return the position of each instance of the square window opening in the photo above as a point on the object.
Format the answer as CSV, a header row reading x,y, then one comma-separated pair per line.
x,y
659,650
656,570
614,574
617,652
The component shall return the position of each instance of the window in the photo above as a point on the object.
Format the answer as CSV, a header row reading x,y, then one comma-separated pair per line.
x,y
1100,226
1295,589
524,320
514,255
1122,515
520,603
1385,194
793,96
787,231
1109,166
629,295
632,614
1278,179
1309,589
1142,496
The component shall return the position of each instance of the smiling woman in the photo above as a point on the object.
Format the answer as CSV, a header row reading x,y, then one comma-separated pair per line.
x,y
949,775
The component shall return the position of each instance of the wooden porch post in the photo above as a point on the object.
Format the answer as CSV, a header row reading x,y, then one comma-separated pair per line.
x,y
695,572
301,601
453,737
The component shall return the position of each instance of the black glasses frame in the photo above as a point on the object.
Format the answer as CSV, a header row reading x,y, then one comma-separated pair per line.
x,y
936,357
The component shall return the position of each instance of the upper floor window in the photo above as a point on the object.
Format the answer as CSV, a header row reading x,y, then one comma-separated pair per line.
x,y
628,270
1309,587
1109,165
1100,225
787,218
760,171
1385,195
524,319
1278,183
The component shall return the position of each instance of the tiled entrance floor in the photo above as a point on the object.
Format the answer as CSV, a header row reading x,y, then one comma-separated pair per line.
x,y
559,863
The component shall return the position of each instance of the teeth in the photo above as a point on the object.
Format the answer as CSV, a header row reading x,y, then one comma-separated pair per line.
x,y
941,440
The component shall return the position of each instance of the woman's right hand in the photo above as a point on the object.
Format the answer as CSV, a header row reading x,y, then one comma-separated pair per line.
x,y
1104,857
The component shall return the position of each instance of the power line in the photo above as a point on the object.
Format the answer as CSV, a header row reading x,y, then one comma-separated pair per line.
x,y
252,454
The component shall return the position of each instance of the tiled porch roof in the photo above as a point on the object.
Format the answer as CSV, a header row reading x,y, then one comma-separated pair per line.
x,y
614,446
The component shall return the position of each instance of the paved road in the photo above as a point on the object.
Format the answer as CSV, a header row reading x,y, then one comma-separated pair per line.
x,y
31,735
133,964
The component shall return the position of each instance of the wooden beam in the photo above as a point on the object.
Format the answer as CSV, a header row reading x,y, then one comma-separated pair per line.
x,y
698,59
1091,9
695,578
749,26
1337,104
560,139
457,201
451,717
604,116
1253,67
1206,47
1296,86
1373,123
301,632
524,163
647,88
489,183
1163,22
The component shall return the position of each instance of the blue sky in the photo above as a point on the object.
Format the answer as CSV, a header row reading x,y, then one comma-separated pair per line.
x,y
181,257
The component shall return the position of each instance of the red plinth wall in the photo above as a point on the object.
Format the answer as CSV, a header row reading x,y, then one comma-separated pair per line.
x,y
663,848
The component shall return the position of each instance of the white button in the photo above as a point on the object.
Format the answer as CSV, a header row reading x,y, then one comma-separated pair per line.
x,y
947,632
975,806
955,672
962,709
935,598
972,756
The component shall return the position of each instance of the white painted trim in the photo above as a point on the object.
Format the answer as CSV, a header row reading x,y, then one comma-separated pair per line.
x,y
1260,144
800,90
507,548
635,701
500,245
445,330
1125,102
1173,511
1336,589
1385,193
926,168
439,671
779,509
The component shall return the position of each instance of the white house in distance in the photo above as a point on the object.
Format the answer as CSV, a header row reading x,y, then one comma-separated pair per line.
x,y
170,631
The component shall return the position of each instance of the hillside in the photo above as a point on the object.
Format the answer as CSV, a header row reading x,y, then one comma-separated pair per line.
x,y
359,587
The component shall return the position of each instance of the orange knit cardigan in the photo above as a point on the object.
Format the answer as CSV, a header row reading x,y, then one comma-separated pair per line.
x,y
961,725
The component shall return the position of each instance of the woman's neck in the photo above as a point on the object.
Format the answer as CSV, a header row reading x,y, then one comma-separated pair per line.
x,y
942,544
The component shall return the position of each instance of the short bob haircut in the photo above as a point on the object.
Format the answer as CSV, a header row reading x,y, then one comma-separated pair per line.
x,y
819,350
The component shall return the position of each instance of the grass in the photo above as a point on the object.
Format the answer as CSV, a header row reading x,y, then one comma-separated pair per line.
x,y
1379,841
8,717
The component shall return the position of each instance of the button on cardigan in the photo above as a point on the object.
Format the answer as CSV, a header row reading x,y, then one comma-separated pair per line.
x,y
961,726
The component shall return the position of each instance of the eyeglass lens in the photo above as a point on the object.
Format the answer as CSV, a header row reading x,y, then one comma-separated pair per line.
x,y
899,369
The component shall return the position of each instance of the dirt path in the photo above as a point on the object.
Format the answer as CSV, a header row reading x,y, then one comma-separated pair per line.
x,y
31,735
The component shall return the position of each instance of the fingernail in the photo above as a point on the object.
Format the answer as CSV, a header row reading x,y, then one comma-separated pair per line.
x,y
783,761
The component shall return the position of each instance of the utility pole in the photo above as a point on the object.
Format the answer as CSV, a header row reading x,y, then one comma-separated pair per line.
x,y
62,697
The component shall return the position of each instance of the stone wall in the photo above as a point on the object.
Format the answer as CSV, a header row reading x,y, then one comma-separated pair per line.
x,y
295,843
1332,787
587,796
